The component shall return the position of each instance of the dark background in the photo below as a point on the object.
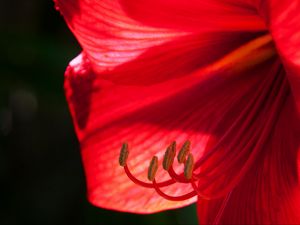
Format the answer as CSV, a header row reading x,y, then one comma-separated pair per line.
x,y
42,179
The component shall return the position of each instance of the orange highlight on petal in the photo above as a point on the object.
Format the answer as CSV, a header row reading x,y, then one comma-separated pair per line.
x,y
249,54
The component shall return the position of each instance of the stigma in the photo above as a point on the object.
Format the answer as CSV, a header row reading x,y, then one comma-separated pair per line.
x,y
188,175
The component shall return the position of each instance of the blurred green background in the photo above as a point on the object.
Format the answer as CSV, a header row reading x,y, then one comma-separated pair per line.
x,y
42,179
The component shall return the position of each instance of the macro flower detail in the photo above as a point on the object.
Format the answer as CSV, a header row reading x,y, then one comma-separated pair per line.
x,y
202,97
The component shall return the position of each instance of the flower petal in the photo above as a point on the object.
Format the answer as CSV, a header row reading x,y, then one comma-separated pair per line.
x,y
108,36
195,15
114,32
194,106
283,19
128,86
269,193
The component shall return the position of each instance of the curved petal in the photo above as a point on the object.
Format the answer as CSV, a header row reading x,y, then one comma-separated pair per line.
x,y
195,15
111,33
118,92
149,118
269,193
283,19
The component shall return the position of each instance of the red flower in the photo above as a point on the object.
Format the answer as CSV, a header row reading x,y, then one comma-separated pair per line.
x,y
223,74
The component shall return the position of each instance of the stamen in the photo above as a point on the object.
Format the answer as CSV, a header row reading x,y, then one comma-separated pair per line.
x,y
144,184
184,151
153,168
123,159
173,198
123,154
169,156
168,165
177,177
189,167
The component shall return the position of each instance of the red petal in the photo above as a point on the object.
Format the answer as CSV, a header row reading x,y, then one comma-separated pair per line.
x,y
283,19
161,104
114,32
269,193
149,117
195,15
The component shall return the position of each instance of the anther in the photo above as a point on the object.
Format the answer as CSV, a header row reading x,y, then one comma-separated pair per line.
x,y
189,167
123,154
153,168
184,151
169,156
173,146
